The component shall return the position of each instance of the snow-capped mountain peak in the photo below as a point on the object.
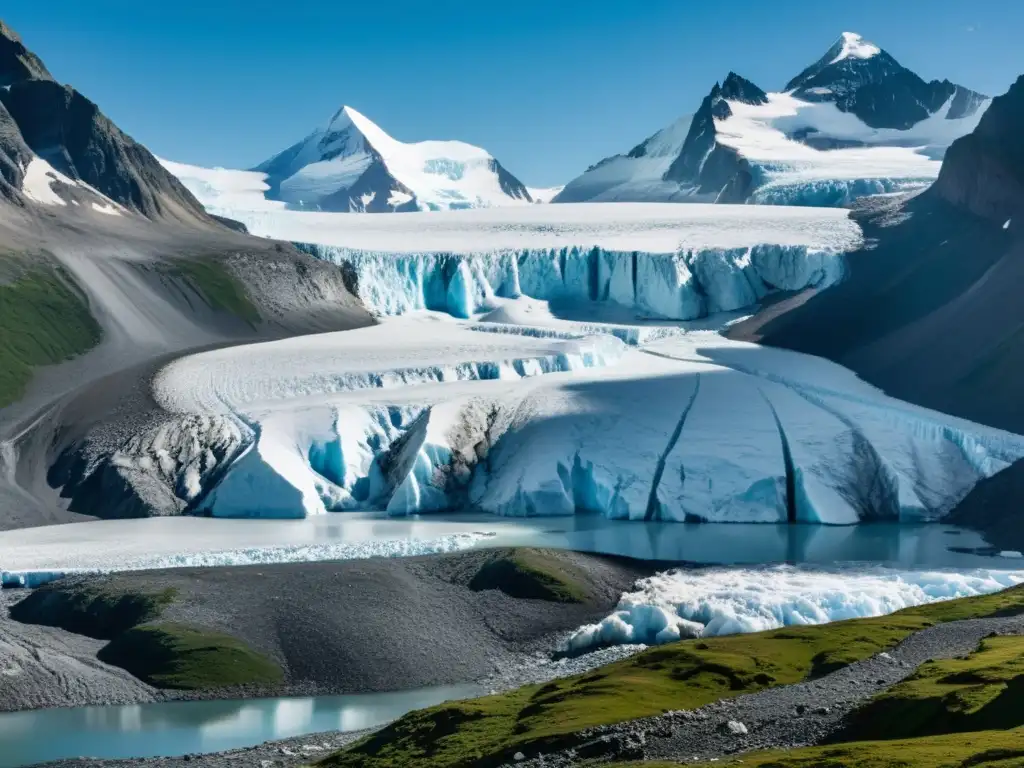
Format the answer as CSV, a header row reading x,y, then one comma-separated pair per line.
x,y
855,122
850,45
352,164
850,63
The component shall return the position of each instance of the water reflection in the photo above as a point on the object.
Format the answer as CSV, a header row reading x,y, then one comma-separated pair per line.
x,y
740,543
176,728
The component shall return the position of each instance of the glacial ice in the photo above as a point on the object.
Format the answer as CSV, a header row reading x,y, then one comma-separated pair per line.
x,y
673,286
832,192
706,603
689,426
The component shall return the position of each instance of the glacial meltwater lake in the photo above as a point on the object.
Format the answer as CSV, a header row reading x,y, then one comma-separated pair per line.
x,y
179,728
176,728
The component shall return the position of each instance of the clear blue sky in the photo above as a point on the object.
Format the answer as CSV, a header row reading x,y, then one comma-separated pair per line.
x,y
547,86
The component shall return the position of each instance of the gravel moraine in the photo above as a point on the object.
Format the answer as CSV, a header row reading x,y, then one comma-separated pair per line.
x,y
301,750
789,716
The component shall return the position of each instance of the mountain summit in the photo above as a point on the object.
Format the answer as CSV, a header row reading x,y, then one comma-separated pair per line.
x,y
855,122
861,78
57,146
352,164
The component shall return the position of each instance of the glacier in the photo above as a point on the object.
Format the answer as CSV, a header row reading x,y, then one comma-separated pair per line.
x,y
832,192
723,601
671,286
659,260
478,390
528,422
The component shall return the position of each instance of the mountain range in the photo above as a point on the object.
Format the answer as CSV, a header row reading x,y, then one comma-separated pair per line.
x,y
856,122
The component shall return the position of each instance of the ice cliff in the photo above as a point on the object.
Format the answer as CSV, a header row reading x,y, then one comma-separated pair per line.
x,y
682,285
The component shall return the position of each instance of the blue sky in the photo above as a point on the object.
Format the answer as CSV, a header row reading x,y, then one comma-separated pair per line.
x,y
547,86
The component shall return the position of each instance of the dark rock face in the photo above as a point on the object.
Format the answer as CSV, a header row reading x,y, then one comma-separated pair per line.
x,y
983,172
69,131
709,167
17,63
14,155
904,99
509,184
736,88
701,139
831,78
965,102
377,183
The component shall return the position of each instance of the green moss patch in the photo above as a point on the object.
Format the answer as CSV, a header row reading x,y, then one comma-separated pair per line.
x,y
219,287
990,749
42,321
983,692
532,574
94,608
683,675
179,656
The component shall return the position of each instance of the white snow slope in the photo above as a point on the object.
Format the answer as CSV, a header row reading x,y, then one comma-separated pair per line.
x,y
793,173
223,191
696,603
635,176
45,185
352,157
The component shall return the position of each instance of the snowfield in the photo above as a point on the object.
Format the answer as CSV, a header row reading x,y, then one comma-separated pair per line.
x,y
223,190
636,176
706,603
40,181
651,227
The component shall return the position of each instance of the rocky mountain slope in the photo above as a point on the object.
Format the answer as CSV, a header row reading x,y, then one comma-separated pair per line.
x,y
107,263
854,123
